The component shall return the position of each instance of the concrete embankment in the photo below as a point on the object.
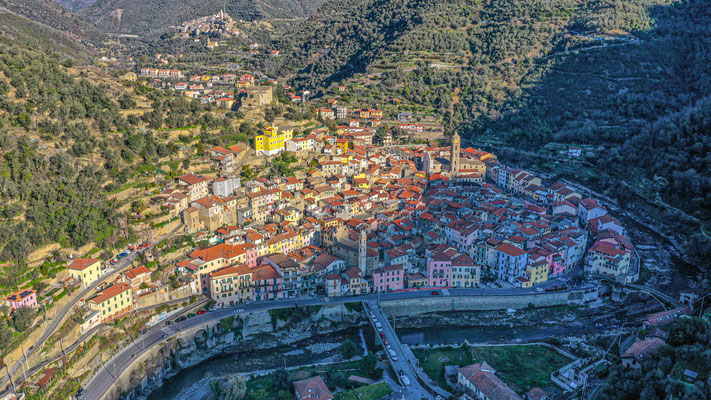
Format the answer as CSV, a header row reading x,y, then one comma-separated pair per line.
x,y
410,307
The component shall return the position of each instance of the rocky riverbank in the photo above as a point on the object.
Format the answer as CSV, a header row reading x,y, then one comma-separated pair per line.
x,y
267,331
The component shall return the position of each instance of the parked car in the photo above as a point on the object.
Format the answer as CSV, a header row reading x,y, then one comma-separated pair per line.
x,y
405,380
435,293
201,312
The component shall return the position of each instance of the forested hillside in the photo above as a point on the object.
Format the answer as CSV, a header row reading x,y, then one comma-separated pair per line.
x,y
140,16
44,24
631,76
66,143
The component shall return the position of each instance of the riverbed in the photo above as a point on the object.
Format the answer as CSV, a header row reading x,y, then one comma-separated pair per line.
x,y
194,383
662,266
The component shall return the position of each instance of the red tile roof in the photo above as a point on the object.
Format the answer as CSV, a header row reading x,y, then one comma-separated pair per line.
x,y
82,263
312,389
110,292
481,375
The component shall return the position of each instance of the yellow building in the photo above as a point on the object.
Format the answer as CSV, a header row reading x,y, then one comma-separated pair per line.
x,y
272,141
231,285
129,76
537,272
342,145
85,270
113,302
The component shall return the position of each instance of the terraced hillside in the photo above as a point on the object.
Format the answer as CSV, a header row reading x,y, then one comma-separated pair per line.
x,y
521,74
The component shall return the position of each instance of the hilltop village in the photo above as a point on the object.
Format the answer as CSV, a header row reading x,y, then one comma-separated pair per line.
x,y
249,211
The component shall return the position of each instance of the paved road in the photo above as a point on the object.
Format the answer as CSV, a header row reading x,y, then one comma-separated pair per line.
x,y
402,367
123,264
100,383
59,317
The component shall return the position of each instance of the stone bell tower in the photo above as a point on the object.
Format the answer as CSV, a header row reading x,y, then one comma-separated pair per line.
x,y
454,154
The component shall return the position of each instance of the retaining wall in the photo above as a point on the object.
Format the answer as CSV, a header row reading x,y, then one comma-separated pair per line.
x,y
426,305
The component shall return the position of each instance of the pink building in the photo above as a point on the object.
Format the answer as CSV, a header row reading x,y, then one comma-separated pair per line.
x,y
251,254
22,298
557,263
439,269
267,284
387,278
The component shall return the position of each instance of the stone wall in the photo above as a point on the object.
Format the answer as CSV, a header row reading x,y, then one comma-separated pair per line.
x,y
163,295
435,304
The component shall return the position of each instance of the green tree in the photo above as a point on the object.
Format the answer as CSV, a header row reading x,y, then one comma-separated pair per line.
x,y
369,364
22,318
348,349
234,388
126,101
688,331
5,336
281,379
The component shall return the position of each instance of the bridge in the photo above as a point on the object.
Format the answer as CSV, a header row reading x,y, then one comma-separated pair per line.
x,y
656,294
415,383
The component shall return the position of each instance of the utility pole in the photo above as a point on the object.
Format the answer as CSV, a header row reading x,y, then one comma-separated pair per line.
x,y
24,355
701,309
9,375
64,355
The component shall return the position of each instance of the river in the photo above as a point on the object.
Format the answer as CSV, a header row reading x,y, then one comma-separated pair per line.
x,y
194,383
662,266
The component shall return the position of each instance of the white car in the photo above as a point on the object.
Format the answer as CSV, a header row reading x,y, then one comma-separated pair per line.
x,y
539,289
405,380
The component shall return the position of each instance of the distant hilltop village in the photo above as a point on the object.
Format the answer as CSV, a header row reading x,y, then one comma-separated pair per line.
x,y
216,26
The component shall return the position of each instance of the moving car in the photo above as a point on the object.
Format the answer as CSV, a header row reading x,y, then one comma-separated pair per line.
x,y
405,380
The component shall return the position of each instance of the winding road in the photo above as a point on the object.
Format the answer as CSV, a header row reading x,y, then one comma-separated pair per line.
x,y
122,265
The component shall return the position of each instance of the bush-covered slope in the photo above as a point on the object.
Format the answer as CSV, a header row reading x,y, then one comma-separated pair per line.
x,y
45,25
